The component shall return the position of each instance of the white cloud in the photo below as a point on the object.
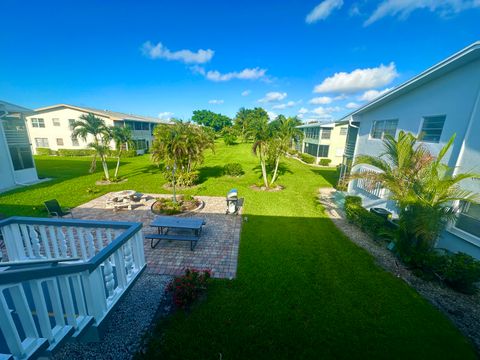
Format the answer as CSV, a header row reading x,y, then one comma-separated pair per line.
x,y
369,95
324,112
352,105
272,115
215,101
322,100
166,115
273,96
159,51
358,80
303,110
285,105
246,93
323,10
245,74
403,8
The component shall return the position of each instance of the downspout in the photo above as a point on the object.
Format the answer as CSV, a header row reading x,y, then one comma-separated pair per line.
x,y
10,162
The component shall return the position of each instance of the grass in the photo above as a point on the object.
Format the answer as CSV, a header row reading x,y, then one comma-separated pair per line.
x,y
302,291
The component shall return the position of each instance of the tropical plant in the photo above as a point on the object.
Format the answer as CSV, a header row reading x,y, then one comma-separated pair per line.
x,y
180,146
260,132
89,124
229,135
241,122
423,187
122,136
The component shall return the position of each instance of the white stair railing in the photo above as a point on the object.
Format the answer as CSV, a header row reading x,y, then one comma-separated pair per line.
x,y
42,303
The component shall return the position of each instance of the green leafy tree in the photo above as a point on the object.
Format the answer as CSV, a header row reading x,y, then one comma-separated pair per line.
x,y
260,132
210,119
122,136
89,124
241,122
424,189
229,135
180,146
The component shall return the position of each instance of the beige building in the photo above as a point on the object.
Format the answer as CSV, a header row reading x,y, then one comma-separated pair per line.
x,y
51,127
324,141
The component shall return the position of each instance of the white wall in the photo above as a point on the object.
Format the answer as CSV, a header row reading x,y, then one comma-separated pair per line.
x,y
63,131
7,179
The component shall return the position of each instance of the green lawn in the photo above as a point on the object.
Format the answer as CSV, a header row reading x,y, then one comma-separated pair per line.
x,y
303,290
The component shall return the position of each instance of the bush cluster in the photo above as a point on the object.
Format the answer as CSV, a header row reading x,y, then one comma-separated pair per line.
x,y
125,153
187,288
309,159
369,222
76,152
325,162
233,169
45,151
292,152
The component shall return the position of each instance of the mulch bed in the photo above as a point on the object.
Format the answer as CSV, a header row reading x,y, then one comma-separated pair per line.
x,y
263,188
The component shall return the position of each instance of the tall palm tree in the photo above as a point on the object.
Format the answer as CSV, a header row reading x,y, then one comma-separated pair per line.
x,y
424,189
122,136
261,134
241,122
89,124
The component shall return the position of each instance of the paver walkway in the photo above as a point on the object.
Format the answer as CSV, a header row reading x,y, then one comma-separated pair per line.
x,y
216,250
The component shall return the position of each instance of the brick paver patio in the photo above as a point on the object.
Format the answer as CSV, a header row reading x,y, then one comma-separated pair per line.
x,y
216,250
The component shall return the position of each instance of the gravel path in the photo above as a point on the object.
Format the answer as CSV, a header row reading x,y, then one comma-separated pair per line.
x,y
127,324
463,310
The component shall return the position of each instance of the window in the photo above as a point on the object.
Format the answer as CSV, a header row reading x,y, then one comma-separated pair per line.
x,y
56,121
312,133
432,128
59,141
38,123
326,133
469,219
75,142
141,125
323,150
70,123
41,142
381,128
343,130
21,157
140,144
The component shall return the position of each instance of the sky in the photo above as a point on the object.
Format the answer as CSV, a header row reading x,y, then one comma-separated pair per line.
x,y
318,60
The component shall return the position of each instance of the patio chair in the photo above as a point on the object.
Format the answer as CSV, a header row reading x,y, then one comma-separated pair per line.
x,y
54,209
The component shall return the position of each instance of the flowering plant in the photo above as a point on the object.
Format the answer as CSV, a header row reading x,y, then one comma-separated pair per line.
x,y
187,288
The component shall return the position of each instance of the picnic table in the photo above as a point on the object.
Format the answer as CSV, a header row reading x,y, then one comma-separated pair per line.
x,y
165,223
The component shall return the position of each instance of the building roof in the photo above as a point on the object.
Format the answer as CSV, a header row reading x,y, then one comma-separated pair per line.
x,y
13,109
113,115
464,56
323,124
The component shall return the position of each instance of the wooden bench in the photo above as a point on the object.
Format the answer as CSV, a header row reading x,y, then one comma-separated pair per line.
x,y
192,238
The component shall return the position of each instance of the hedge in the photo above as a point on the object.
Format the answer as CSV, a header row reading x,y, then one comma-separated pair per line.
x,y
309,159
45,151
76,152
371,223
325,162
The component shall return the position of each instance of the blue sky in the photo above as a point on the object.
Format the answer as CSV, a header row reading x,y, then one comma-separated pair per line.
x,y
163,58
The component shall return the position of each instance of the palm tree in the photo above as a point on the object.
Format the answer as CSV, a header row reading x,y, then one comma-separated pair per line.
x,y
123,140
89,124
261,134
283,131
424,189
241,122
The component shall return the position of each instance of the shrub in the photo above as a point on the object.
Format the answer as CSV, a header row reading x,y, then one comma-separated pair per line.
x,y
229,135
76,152
187,288
370,223
233,169
309,159
292,152
168,207
325,162
460,271
45,151
125,153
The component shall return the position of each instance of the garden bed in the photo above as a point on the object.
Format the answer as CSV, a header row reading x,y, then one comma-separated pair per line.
x,y
270,189
184,205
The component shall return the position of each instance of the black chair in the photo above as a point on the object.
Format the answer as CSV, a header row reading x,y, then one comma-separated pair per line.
x,y
54,209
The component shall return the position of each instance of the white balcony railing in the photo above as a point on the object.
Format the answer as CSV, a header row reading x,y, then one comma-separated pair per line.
x,y
59,277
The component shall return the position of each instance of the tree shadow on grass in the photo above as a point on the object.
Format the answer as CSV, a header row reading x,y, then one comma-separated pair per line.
x,y
330,175
282,170
207,172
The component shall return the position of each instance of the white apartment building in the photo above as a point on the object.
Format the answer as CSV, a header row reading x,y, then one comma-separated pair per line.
x,y
51,127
